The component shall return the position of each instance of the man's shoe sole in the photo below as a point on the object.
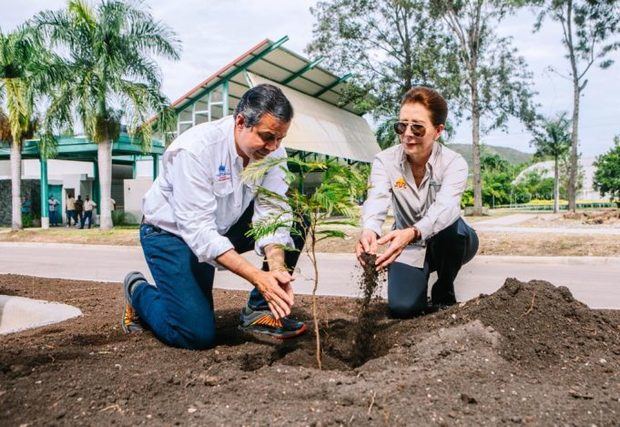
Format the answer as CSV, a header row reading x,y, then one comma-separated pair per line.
x,y
128,280
256,332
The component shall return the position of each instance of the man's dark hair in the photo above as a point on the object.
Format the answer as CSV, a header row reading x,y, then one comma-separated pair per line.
x,y
264,99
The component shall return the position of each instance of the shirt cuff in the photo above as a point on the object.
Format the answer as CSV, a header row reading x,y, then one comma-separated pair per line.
x,y
214,249
425,227
373,225
282,239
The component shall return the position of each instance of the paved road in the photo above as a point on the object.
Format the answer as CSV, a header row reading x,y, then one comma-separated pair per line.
x,y
593,280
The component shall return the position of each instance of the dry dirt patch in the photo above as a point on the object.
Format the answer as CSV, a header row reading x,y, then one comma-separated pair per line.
x,y
601,218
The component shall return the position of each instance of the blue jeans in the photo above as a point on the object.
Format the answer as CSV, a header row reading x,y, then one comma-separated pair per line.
x,y
71,215
179,309
88,215
446,253
53,217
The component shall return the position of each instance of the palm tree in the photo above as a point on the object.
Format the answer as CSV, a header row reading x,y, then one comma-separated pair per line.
x,y
20,66
109,65
553,138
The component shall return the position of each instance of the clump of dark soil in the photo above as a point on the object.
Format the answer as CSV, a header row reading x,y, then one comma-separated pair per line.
x,y
526,354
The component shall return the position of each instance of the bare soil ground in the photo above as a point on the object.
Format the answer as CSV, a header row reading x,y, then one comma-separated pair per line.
x,y
491,243
529,244
602,218
529,353
93,236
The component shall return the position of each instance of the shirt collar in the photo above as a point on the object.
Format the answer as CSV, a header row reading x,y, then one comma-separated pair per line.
x,y
230,138
432,160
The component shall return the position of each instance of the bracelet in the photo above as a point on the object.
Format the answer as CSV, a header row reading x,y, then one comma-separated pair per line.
x,y
416,236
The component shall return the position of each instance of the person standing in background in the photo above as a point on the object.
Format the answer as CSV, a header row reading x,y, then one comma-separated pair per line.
x,y
89,205
52,205
71,210
79,210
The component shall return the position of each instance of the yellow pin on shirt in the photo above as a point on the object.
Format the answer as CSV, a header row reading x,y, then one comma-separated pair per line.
x,y
400,183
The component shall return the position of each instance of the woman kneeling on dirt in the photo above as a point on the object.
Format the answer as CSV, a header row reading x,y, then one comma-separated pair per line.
x,y
422,181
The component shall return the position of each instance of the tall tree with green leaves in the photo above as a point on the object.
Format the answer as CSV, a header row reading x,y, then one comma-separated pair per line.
x,y
590,31
21,66
388,46
495,83
110,74
607,175
552,138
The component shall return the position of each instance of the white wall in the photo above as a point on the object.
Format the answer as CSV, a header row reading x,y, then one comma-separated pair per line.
x,y
144,168
134,190
31,169
5,169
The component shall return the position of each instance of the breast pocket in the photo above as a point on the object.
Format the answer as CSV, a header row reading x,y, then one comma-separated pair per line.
x,y
222,188
433,189
224,200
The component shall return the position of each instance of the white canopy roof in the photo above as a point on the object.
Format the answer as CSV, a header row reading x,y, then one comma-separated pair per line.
x,y
319,127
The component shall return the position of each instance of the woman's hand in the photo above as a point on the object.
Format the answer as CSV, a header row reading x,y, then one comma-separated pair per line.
x,y
366,243
397,240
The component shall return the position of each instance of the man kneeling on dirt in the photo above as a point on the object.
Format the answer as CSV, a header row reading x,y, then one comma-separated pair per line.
x,y
196,216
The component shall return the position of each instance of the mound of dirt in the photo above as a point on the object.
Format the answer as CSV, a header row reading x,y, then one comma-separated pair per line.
x,y
540,324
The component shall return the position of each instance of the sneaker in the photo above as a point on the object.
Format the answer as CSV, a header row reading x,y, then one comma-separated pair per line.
x,y
130,322
440,306
264,322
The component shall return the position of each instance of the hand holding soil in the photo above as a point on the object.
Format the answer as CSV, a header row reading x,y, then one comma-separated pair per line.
x,y
367,244
396,240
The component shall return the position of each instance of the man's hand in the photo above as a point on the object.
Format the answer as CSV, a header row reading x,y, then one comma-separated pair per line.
x,y
397,240
275,286
366,243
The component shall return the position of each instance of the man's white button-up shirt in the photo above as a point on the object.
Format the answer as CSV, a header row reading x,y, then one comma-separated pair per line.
x,y
199,193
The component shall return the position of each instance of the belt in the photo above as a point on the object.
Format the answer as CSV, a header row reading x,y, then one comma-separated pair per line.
x,y
144,222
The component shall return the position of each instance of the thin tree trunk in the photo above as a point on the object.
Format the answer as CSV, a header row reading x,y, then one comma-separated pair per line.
x,y
475,149
104,160
574,160
556,187
572,176
16,181
315,314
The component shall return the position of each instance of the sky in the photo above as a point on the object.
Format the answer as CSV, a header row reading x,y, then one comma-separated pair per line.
x,y
213,32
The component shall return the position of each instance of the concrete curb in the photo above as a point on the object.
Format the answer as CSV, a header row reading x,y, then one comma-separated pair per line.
x,y
19,314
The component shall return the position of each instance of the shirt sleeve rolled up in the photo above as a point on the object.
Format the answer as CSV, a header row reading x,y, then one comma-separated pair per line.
x,y
375,208
268,208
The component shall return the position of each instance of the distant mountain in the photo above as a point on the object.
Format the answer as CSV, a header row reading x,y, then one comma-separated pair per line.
x,y
513,156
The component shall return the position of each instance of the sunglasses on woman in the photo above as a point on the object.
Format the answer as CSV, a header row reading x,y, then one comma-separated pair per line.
x,y
417,130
